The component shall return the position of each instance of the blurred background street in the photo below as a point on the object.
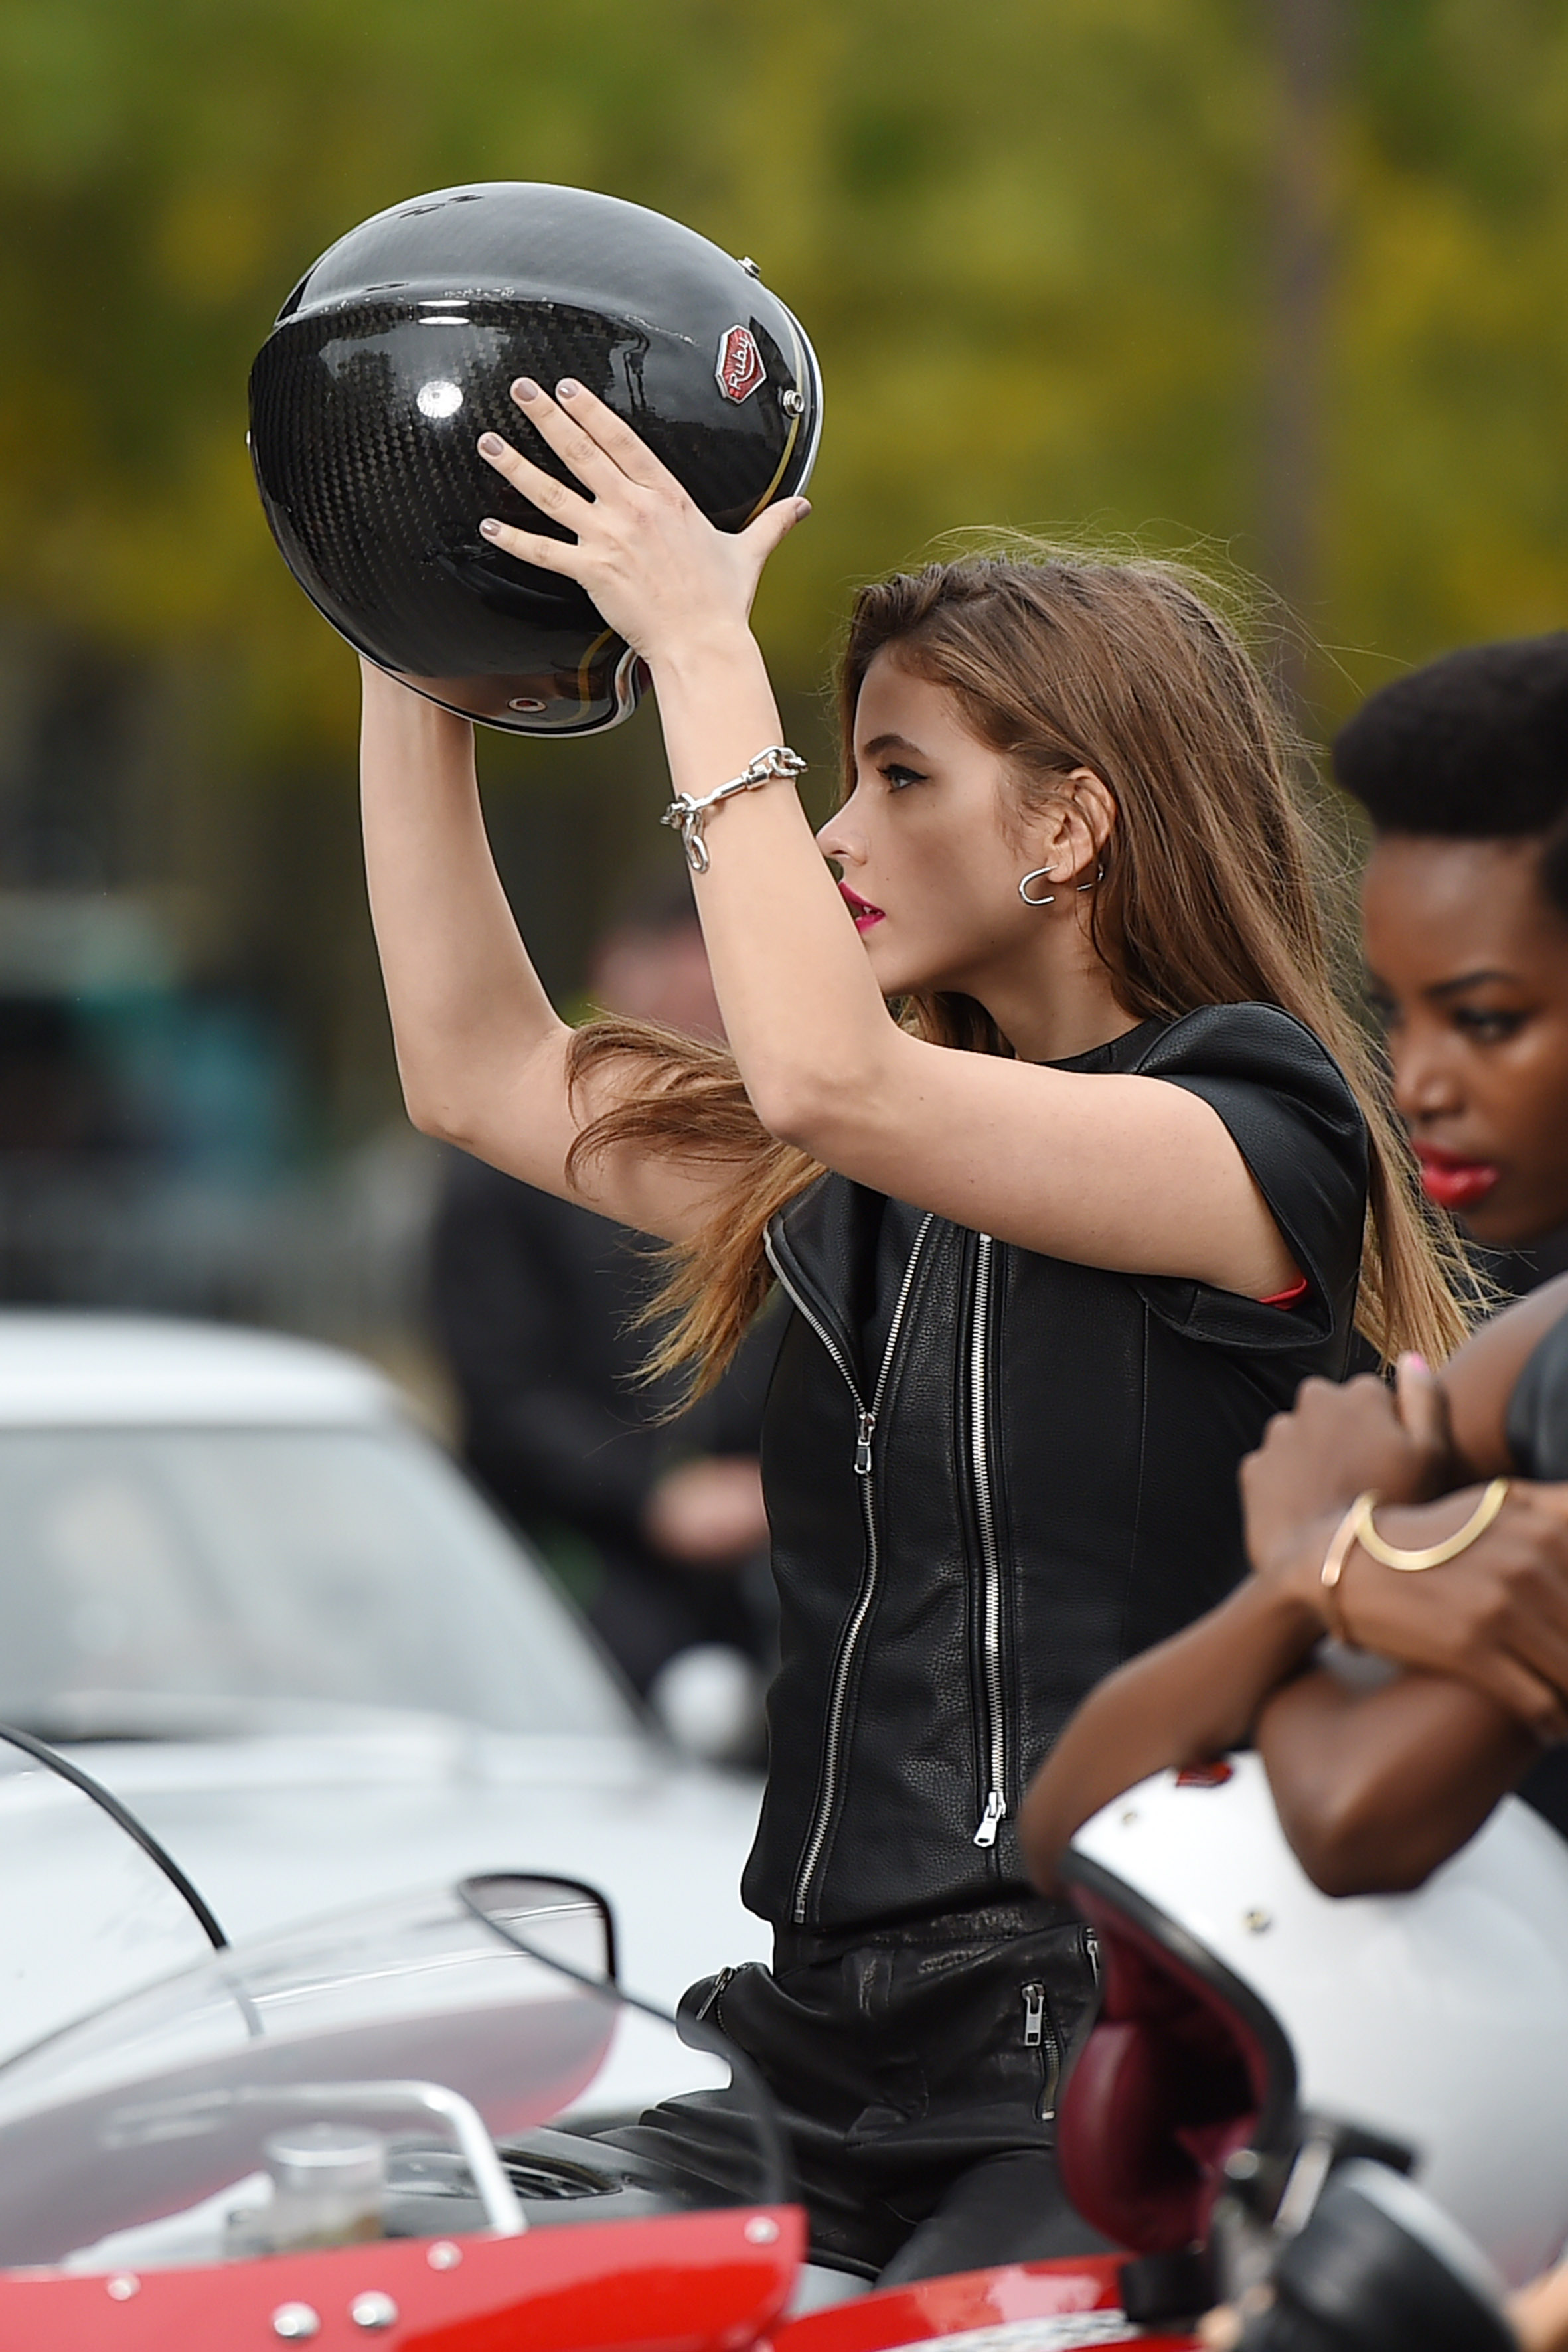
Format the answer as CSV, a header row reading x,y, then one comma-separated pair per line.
x,y
1276,281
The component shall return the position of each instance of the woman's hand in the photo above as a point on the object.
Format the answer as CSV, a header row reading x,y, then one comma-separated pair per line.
x,y
1539,2311
1496,1617
659,573
1334,1445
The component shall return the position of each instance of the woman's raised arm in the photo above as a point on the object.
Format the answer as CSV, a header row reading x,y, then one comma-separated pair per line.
x,y
480,1050
1120,1171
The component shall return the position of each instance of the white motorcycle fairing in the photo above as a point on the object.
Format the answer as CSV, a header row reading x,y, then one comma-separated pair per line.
x,y
1436,2019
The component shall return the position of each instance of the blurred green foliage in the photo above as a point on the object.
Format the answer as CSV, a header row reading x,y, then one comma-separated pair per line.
x,y
1023,239
1031,239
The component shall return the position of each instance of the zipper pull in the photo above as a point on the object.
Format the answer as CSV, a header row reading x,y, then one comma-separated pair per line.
x,y
1034,2015
863,1445
991,1819
711,1997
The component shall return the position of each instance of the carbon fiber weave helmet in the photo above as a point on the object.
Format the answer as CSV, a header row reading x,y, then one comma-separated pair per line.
x,y
396,351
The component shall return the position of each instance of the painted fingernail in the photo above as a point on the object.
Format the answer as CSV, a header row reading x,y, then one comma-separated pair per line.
x,y
490,444
490,527
525,389
568,388
1416,1363
803,508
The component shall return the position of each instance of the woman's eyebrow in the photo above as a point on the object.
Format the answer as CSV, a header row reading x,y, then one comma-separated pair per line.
x,y
1470,980
889,743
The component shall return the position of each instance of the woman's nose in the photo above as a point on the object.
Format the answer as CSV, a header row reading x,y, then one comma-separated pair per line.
x,y
1426,1083
840,837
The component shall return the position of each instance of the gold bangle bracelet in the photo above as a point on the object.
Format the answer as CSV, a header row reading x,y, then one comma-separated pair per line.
x,y
1342,1543
1365,1532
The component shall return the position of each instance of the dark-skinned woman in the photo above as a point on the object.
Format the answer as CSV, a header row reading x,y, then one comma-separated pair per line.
x,y
1463,769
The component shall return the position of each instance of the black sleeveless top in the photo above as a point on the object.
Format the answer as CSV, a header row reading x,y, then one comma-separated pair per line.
x,y
992,1475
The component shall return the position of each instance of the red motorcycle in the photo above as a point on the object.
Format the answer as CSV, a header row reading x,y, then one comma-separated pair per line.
x,y
405,2127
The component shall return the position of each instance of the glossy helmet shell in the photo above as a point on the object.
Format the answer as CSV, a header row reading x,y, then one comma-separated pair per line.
x,y
1437,2020
396,351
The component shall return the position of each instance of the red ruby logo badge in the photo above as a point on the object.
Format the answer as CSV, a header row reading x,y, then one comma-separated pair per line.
x,y
1212,1775
740,368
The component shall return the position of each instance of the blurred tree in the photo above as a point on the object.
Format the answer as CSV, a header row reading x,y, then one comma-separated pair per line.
x,y
1039,249
1023,250
1447,508
1309,41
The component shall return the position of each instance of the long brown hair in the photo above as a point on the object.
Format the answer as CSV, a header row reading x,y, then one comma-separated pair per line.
x,y
1207,897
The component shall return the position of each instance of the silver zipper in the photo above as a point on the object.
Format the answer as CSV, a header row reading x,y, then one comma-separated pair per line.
x,y
709,2004
1038,2035
995,1807
865,1422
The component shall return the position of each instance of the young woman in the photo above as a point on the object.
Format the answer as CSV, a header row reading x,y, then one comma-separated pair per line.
x,y
1463,769
1046,1120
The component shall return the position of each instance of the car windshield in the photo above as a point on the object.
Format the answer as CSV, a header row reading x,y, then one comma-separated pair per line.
x,y
169,1582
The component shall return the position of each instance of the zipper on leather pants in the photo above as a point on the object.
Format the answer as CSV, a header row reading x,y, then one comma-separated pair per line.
x,y
995,1807
1038,2035
865,1422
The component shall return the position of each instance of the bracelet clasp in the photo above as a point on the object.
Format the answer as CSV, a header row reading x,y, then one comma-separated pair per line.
x,y
688,816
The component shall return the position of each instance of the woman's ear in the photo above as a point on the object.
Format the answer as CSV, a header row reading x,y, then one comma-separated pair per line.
x,y
1081,820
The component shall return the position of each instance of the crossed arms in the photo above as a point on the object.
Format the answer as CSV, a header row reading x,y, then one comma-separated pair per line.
x,y
1374,1786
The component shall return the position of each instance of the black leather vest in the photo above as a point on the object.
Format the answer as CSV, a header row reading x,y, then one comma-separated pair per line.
x,y
1035,1480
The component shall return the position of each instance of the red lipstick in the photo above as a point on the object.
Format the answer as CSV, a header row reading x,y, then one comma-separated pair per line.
x,y
865,914
1452,1181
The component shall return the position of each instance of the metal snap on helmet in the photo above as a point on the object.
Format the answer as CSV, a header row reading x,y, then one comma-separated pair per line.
x,y
396,351
1242,2006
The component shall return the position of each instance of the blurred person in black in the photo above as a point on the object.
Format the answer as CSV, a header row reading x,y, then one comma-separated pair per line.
x,y
655,1528
1463,769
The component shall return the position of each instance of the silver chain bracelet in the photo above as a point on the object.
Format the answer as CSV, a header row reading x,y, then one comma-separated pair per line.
x,y
688,815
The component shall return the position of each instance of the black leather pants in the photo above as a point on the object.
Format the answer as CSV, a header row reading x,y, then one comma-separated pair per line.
x,y
916,2073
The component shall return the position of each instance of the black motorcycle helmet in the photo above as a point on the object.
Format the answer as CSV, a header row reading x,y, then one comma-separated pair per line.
x,y
396,351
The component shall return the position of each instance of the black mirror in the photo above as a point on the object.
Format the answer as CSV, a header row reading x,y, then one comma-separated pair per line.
x,y
560,1919
1378,2263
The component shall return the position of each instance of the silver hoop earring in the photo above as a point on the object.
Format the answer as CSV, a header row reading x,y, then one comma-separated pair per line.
x,y
1098,876
1040,874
